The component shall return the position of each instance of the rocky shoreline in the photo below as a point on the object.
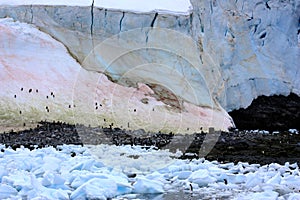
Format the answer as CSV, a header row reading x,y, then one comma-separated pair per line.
x,y
260,147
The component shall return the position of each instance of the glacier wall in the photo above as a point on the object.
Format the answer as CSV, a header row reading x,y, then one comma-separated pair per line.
x,y
226,52
254,43
40,81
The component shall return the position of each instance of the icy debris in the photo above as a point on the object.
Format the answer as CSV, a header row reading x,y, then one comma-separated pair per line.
x,y
202,177
236,178
182,174
253,179
266,195
90,165
294,196
257,131
96,188
274,180
51,163
263,132
143,185
294,131
7,191
3,172
53,180
51,174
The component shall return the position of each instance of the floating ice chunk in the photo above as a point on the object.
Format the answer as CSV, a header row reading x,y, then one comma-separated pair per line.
x,y
48,193
10,151
256,188
294,165
7,191
226,166
275,166
20,180
3,172
146,186
282,189
253,179
236,179
58,193
46,181
80,179
174,168
95,188
293,182
265,195
17,161
274,180
267,187
51,163
54,180
202,177
69,148
38,171
156,176
216,170
217,173
90,165
263,132
294,131
182,175
294,196
124,187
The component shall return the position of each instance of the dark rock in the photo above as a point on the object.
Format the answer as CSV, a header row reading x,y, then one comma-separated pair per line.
x,y
269,113
234,146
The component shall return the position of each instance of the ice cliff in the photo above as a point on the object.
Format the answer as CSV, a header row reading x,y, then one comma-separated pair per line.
x,y
255,45
219,54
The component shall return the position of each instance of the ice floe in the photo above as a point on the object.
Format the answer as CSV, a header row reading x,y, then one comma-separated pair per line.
x,y
125,172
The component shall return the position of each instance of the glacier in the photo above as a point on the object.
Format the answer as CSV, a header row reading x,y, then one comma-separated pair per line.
x,y
194,64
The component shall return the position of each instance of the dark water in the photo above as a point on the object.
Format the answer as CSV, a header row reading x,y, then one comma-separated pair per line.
x,y
181,195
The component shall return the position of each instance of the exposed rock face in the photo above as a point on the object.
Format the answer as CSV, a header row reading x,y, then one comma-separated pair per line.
x,y
240,49
270,113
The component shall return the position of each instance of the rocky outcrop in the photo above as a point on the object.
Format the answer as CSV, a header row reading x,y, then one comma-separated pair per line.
x,y
272,113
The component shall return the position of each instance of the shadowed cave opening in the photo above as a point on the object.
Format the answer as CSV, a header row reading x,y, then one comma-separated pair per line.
x,y
270,113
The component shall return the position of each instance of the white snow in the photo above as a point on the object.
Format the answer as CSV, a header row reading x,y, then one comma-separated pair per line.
x,y
49,173
162,6
175,6
47,2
